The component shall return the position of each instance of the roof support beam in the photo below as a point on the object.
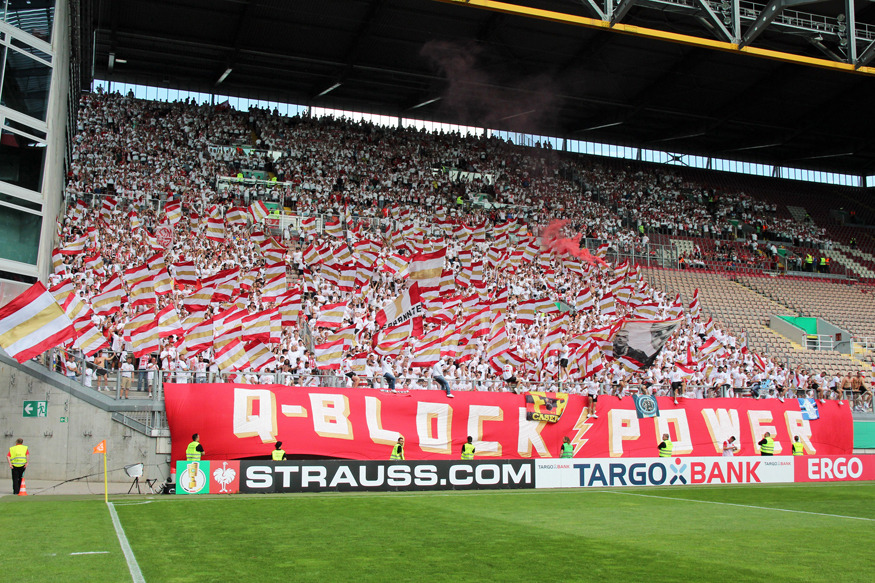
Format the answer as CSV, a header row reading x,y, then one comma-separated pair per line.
x,y
866,57
765,18
817,41
716,21
851,32
621,11
595,8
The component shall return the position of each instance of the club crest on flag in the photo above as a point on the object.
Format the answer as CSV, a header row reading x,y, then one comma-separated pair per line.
x,y
646,406
542,406
809,409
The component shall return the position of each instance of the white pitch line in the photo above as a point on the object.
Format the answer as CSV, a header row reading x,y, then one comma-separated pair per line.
x,y
133,566
90,553
738,505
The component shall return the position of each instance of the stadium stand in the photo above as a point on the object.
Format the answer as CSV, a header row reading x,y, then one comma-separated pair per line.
x,y
351,205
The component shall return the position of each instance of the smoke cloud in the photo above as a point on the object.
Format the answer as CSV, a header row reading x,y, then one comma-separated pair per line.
x,y
477,96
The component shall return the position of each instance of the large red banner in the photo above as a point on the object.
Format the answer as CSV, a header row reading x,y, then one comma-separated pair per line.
x,y
243,421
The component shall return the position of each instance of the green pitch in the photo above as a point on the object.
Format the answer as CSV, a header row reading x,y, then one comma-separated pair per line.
x,y
641,534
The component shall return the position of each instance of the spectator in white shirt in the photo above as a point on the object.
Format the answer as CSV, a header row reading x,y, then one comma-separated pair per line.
x,y
437,373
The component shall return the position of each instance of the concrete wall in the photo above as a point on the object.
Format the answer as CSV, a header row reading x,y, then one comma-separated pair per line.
x,y
63,450
786,329
824,327
53,176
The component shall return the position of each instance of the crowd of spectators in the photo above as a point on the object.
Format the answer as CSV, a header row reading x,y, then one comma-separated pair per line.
x,y
395,192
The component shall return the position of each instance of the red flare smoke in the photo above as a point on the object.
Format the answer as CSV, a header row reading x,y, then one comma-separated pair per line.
x,y
552,239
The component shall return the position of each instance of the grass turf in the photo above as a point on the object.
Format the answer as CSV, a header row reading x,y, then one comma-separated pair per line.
x,y
653,534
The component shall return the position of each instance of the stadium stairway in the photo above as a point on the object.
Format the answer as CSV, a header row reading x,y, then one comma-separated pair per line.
x,y
75,419
799,214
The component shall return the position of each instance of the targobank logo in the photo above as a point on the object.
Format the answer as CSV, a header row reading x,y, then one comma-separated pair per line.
x,y
620,473
678,469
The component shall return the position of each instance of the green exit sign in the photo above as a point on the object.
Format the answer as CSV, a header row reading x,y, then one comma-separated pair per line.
x,y
63,419
35,409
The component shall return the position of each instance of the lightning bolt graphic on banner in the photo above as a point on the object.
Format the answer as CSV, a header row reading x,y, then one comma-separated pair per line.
x,y
581,426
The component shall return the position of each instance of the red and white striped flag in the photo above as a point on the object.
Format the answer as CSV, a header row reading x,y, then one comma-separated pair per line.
x,y
607,305
169,323
199,337
215,230
329,355
64,292
173,212
89,339
32,323
107,207
427,355
331,315
695,308
185,273
308,226
427,266
260,356
236,216
145,338
232,356
334,228
256,327
258,211
406,306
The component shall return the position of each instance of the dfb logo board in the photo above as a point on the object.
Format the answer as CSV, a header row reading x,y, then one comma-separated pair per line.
x,y
205,477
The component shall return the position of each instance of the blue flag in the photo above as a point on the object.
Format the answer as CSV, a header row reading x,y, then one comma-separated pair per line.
x,y
646,406
809,409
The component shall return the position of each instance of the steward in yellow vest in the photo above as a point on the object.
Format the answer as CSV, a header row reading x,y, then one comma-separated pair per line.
x,y
767,444
17,458
398,450
195,450
468,449
278,454
798,448
666,447
567,448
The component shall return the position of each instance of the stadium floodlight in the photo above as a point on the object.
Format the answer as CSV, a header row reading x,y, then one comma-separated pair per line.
x,y
517,115
424,103
330,89
224,75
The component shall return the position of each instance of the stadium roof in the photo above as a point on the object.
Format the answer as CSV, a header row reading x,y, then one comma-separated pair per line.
x,y
456,63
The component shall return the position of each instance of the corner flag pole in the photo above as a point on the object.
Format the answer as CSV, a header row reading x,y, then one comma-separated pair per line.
x,y
101,448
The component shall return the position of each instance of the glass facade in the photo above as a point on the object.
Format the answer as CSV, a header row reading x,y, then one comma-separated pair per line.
x,y
26,83
34,17
19,234
26,57
21,160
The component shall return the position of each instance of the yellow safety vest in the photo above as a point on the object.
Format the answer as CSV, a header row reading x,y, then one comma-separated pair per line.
x,y
666,451
798,448
18,455
567,451
277,455
397,452
191,452
769,447
467,451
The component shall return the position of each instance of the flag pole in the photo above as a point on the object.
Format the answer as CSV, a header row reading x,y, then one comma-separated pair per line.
x,y
105,489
